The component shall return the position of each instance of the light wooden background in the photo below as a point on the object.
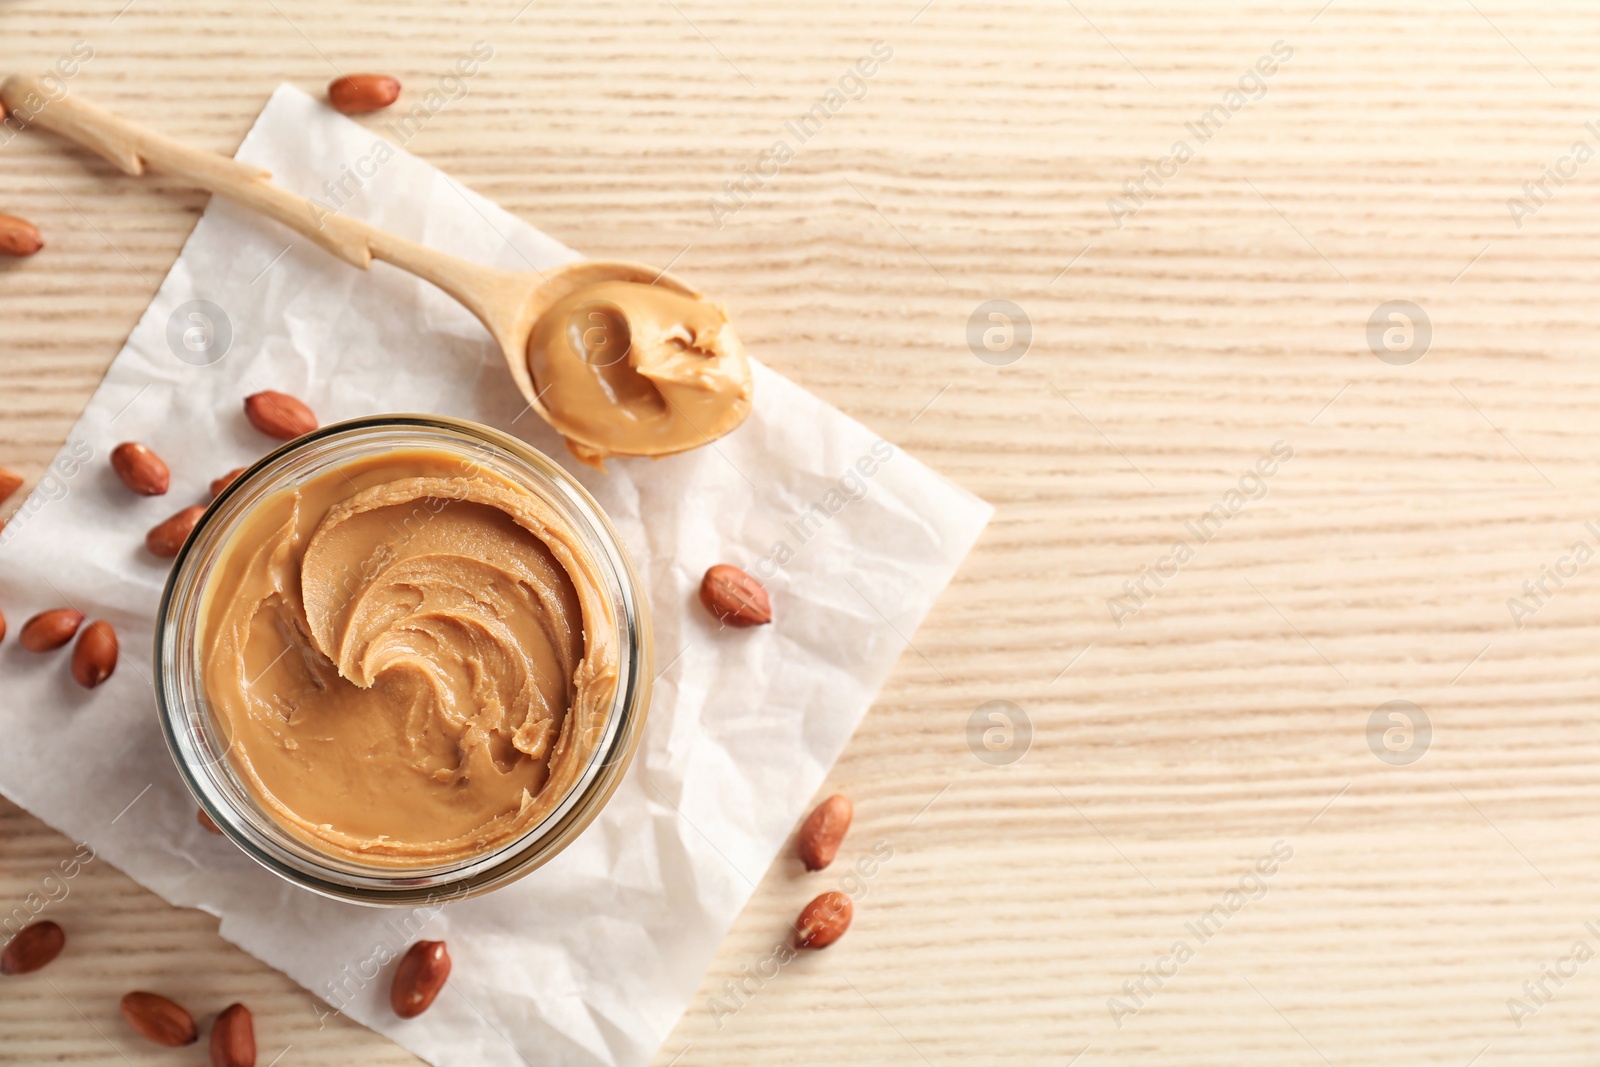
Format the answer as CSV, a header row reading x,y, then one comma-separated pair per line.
x,y
1232,712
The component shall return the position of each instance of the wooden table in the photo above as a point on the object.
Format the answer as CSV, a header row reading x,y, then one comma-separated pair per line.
x,y
1214,758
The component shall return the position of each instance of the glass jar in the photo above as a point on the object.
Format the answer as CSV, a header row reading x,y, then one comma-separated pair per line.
x,y
199,746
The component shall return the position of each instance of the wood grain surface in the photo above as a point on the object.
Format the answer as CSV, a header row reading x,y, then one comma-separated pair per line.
x,y
1212,767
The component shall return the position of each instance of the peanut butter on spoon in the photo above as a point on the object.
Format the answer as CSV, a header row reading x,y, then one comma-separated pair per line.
x,y
638,370
664,373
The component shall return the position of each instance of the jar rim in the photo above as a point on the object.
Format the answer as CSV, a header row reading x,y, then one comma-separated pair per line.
x,y
190,729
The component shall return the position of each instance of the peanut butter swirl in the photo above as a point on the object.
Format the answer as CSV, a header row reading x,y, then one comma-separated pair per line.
x,y
411,658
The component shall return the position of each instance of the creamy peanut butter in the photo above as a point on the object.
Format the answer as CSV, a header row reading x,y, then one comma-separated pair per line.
x,y
410,657
632,369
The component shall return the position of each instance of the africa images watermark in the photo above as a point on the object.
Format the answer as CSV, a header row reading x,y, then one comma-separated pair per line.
x,y
1536,991
1136,593
1552,179
736,993
53,889
851,86
1251,886
999,732
54,83
52,487
398,933
847,489
451,87
1537,591
1251,86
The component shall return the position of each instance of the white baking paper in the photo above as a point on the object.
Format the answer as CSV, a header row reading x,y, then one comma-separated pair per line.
x,y
591,959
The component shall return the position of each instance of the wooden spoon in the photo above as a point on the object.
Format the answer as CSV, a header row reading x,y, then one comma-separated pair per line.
x,y
508,302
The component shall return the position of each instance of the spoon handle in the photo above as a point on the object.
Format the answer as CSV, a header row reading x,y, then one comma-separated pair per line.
x,y
494,296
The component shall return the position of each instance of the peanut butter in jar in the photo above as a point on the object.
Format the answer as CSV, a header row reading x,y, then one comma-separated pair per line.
x,y
410,658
